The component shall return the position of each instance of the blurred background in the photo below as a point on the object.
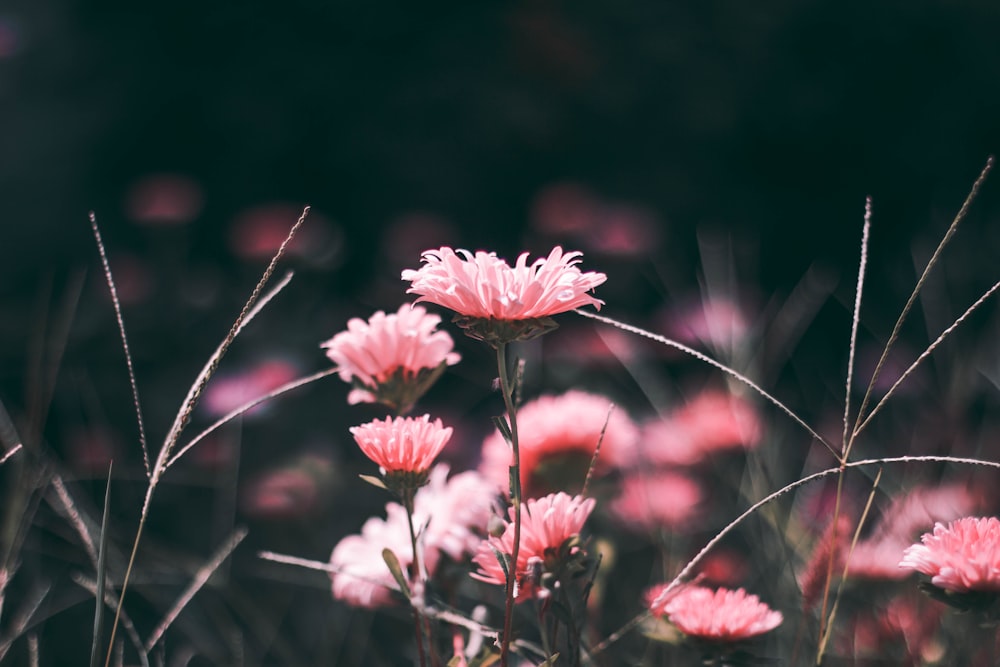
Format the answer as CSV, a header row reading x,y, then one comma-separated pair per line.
x,y
688,149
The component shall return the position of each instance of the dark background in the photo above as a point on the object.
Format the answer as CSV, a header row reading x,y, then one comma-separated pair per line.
x,y
411,125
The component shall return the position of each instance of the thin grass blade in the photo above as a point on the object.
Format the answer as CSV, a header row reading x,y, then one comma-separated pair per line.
x,y
102,568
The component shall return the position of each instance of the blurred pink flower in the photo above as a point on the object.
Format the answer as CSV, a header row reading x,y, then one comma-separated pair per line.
x,y
719,323
362,578
548,525
658,499
392,359
228,392
721,615
407,445
961,557
557,439
498,302
164,199
451,515
711,422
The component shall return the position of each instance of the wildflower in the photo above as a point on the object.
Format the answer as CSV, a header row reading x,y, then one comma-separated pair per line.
x,y
499,304
404,449
557,439
451,512
392,359
549,543
722,615
962,557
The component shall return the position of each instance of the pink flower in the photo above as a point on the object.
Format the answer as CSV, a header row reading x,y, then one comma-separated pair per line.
x,y
721,615
548,526
392,359
500,303
557,439
451,516
961,557
657,499
407,445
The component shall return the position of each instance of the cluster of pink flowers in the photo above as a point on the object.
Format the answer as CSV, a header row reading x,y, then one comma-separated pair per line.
x,y
549,527
721,615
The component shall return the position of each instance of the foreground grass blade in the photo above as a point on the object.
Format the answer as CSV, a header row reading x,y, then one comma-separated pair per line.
x,y
102,568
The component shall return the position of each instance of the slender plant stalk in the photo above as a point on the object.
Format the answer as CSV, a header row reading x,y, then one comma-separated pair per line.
x,y
515,492
415,573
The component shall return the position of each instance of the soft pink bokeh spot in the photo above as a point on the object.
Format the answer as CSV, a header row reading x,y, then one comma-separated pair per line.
x,y
164,199
402,444
657,500
228,392
711,422
961,557
546,523
721,615
483,286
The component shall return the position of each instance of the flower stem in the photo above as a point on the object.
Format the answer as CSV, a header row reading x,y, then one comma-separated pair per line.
x,y
515,493
418,620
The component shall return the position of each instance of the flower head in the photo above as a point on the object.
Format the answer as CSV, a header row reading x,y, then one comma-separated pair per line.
x,y
402,445
651,500
392,359
558,437
962,557
722,615
498,303
548,528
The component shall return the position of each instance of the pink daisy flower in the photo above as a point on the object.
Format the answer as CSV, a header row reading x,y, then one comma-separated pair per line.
x,y
392,359
498,303
557,439
722,615
405,445
961,557
548,528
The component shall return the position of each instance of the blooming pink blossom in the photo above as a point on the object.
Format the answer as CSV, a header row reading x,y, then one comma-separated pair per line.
x,y
451,516
722,615
402,444
547,526
484,287
563,431
658,499
391,358
961,557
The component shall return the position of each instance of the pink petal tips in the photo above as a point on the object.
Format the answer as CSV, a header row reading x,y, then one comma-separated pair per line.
x,y
482,286
722,615
401,445
962,557
392,359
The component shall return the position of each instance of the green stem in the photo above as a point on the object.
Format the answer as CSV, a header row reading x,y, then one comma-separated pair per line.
x,y
515,492
415,577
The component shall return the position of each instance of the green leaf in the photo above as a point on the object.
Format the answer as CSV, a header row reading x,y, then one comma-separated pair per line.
x,y
101,577
397,571
551,660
